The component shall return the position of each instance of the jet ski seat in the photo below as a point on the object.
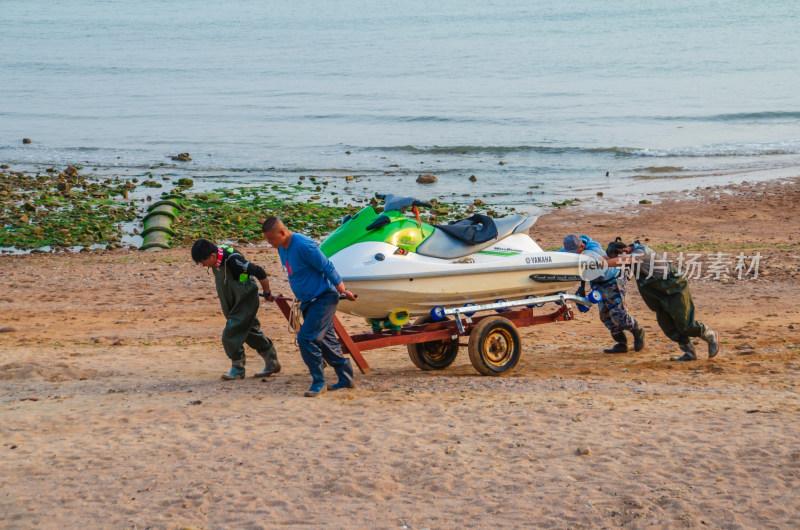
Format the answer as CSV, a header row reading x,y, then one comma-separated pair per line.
x,y
442,245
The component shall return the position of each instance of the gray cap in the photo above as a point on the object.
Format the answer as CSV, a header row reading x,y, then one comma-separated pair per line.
x,y
571,243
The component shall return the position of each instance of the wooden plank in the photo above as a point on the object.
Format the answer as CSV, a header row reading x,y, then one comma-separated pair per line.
x,y
350,346
372,343
283,304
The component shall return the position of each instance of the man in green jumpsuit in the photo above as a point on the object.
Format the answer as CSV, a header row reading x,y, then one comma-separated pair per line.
x,y
238,296
665,290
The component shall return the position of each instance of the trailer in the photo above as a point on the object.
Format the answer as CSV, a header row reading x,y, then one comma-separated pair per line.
x,y
433,340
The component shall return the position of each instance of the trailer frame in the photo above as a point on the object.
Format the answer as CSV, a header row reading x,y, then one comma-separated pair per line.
x,y
448,332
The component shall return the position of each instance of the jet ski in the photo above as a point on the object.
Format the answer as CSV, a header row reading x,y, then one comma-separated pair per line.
x,y
400,267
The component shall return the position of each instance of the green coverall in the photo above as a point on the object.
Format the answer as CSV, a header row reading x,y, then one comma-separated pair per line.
x,y
239,300
671,300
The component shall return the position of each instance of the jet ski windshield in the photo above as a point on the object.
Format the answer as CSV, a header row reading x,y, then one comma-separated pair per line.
x,y
401,204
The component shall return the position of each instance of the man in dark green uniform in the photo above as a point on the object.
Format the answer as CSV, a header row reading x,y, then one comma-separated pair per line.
x,y
238,295
665,290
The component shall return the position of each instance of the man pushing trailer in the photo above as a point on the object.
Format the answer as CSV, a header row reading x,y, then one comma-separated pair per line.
x,y
665,290
612,284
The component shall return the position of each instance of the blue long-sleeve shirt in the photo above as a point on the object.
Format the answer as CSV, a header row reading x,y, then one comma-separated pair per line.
x,y
592,245
310,272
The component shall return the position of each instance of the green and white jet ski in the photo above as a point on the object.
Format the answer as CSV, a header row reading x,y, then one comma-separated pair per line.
x,y
400,267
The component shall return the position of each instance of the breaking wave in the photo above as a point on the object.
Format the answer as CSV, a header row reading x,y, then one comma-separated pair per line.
x,y
737,116
712,150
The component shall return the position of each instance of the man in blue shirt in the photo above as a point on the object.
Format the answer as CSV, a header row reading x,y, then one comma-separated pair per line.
x,y
317,285
612,283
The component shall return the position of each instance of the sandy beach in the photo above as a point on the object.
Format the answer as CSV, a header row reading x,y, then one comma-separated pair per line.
x,y
114,415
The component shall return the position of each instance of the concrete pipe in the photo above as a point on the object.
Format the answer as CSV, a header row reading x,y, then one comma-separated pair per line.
x,y
157,224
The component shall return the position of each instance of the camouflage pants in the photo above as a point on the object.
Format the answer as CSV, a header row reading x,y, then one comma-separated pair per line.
x,y
612,311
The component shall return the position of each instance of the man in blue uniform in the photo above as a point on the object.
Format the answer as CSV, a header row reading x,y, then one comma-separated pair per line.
x,y
612,284
317,285
238,296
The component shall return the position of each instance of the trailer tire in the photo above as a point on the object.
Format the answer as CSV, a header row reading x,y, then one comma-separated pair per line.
x,y
433,355
494,346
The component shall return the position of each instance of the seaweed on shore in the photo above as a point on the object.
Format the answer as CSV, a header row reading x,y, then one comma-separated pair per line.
x,y
62,209
233,215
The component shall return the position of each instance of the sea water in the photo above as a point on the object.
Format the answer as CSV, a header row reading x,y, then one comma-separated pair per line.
x,y
541,101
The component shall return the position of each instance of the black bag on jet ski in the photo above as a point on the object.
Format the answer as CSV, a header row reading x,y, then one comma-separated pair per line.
x,y
472,230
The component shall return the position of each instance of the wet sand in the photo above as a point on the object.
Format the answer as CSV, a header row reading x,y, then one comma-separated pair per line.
x,y
114,414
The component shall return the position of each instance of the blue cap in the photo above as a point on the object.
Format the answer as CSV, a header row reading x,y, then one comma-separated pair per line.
x,y
571,243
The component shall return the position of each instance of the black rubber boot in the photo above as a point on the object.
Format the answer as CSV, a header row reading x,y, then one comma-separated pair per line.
x,y
271,364
712,338
622,343
638,337
237,371
269,369
688,352
341,385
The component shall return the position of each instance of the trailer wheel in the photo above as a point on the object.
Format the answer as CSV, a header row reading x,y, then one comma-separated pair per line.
x,y
494,346
433,355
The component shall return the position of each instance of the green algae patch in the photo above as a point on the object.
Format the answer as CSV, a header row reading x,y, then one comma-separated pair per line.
x,y
566,202
234,214
62,210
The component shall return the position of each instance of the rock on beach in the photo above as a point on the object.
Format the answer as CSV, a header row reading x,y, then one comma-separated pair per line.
x,y
427,179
